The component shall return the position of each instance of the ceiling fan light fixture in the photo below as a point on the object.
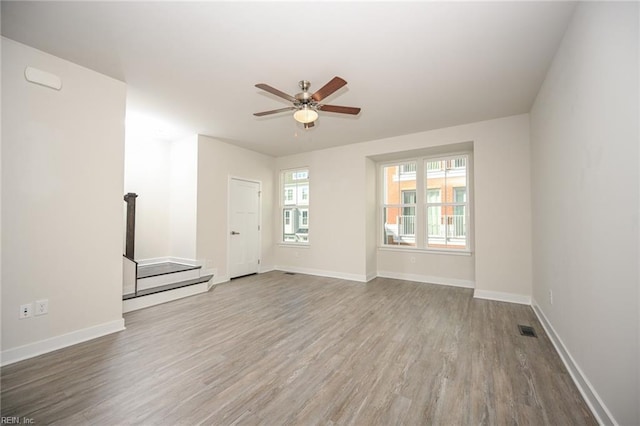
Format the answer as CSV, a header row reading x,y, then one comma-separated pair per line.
x,y
305,115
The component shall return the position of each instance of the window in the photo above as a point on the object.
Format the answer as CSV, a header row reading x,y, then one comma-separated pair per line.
x,y
399,204
295,206
425,203
447,213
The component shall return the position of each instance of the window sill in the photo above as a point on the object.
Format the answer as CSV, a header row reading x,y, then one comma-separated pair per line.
x,y
427,251
294,245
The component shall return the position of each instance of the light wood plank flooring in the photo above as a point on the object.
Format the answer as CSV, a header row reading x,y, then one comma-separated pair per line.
x,y
279,349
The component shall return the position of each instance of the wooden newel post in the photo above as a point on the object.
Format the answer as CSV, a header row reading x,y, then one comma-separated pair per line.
x,y
130,199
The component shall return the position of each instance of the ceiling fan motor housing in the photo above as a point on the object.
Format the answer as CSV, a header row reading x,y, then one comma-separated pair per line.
x,y
304,97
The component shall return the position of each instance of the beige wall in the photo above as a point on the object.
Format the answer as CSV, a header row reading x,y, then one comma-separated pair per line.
x,y
62,189
148,174
342,225
217,162
183,203
164,174
502,180
584,127
337,215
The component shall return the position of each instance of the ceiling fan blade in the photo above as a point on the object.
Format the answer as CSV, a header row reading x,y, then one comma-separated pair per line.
x,y
275,91
309,125
340,109
273,111
329,88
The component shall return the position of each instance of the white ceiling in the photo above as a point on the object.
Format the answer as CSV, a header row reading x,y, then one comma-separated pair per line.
x,y
413,66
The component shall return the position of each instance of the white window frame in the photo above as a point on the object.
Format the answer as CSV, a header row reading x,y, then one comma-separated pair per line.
x,y
421,204
295,208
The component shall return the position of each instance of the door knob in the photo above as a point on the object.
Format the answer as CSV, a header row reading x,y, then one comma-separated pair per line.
x,y
235,233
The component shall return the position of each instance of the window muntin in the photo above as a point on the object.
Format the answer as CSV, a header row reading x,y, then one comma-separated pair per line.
x,y
295,206
425,203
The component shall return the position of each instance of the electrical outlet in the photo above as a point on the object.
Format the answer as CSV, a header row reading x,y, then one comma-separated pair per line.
x,y
26,311
42,307
551,297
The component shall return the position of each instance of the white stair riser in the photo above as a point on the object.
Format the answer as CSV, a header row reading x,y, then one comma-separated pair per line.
x,y
166,296
158,280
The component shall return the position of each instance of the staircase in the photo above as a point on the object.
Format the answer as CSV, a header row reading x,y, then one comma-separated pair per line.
x,y
148,285
162,282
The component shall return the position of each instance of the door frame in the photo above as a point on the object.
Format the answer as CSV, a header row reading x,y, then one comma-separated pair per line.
x,y
229,186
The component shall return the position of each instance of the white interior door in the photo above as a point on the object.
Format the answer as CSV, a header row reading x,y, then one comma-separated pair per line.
x,y
244,227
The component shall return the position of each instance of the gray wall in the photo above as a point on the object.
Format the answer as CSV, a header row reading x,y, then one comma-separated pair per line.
x,y
585,188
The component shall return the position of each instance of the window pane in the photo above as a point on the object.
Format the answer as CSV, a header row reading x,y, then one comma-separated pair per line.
x,y
446,227
289,197
288,225
455,177
400,226
459,196
303,221
398,179
457,229
434,222
446,175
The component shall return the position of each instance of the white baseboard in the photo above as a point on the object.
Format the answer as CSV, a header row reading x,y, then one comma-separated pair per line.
x,y
454,282
322,273
591,397
34,349
142,302
520,299
371,276
218,280
264,270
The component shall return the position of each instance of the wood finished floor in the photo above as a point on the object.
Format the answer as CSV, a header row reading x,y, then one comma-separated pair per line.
x,y
279,349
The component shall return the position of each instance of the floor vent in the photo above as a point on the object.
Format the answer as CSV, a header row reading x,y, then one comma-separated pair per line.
x,y
526,330
289,273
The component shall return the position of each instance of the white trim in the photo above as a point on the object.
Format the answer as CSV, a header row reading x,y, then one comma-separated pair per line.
x,y
322,273
281,207
156,260
521,299
51,344
218,280
266,269
163,297
453,252
294,245
591,397
427,279
211,271
152,261
371,276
